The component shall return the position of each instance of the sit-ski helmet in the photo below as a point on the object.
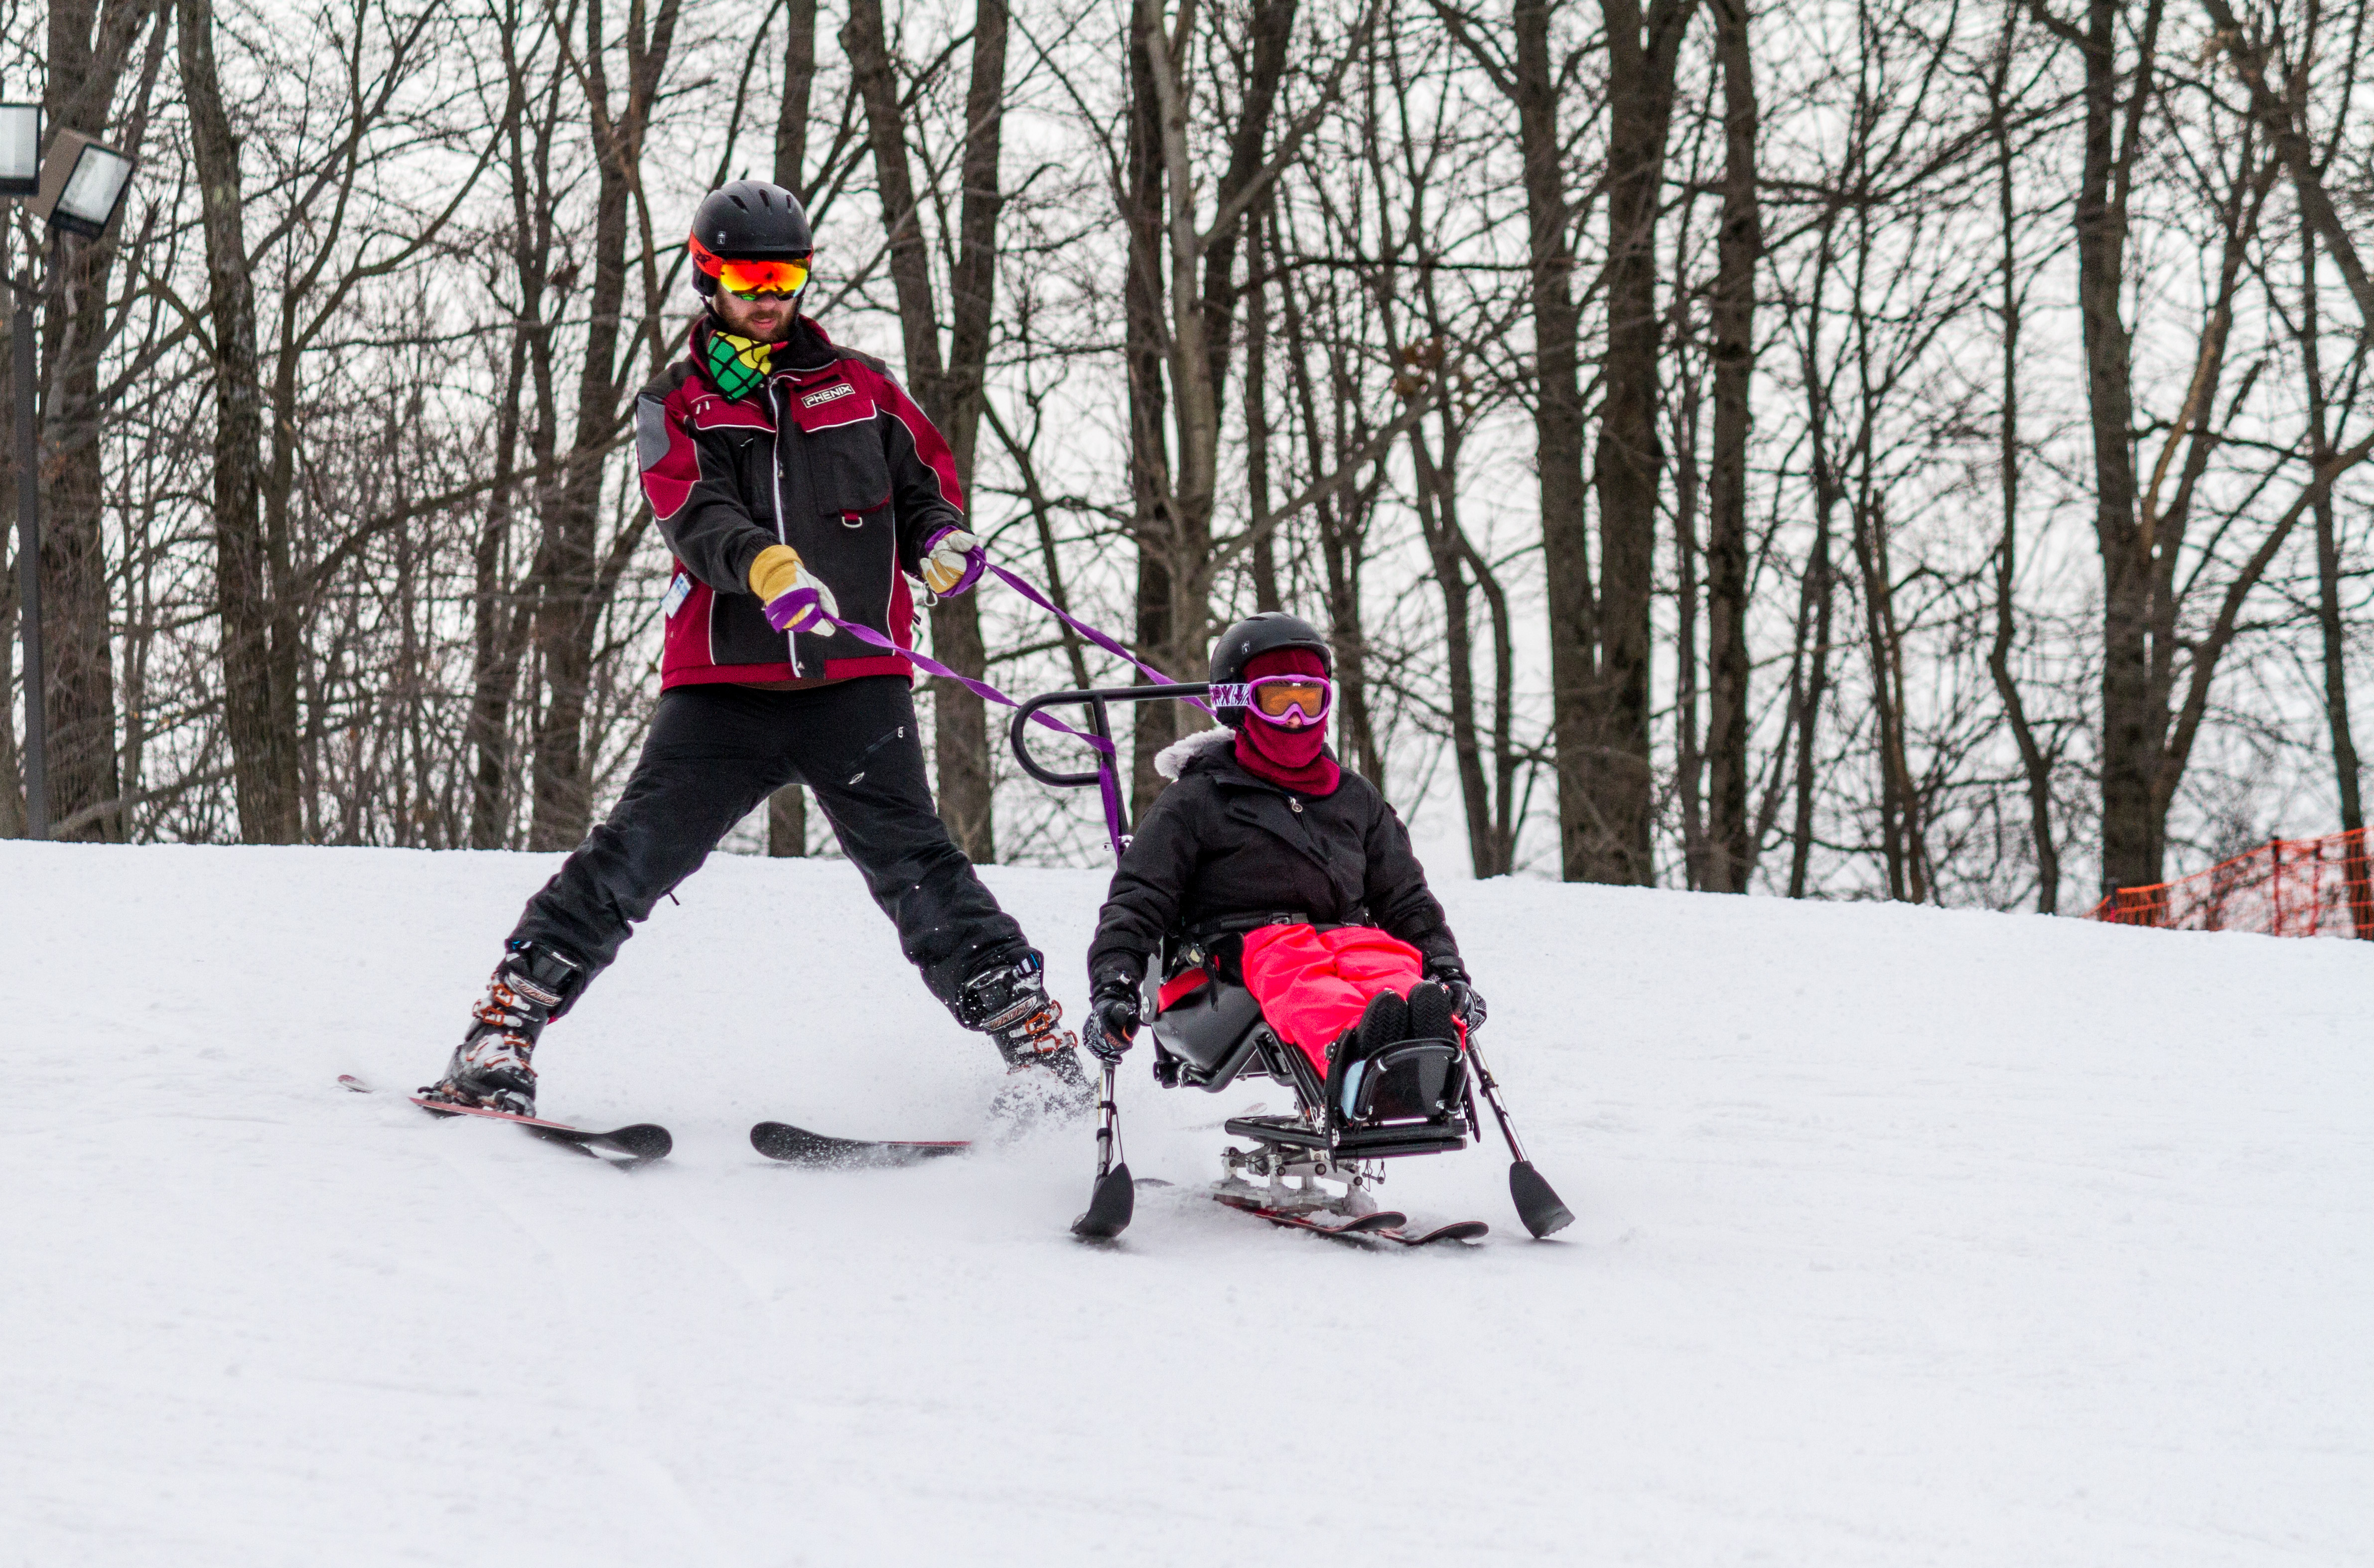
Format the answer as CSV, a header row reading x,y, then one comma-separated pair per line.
x,y
1264,633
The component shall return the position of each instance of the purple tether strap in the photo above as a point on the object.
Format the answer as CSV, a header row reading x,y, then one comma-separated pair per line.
x,y
1023,587
931,666
1108,782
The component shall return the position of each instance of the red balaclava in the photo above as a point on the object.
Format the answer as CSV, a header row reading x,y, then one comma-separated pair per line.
x,y
1287,756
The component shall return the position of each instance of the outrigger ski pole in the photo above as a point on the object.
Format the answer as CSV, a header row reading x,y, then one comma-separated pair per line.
x,y
1113,1197
1537,1202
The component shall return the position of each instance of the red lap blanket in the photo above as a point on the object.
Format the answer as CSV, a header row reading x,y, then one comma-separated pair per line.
x,y
1313,985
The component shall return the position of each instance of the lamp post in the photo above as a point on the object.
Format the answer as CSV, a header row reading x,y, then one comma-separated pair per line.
x,y
78,188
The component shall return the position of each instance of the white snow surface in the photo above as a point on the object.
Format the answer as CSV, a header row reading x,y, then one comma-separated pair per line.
x,y
1906,1237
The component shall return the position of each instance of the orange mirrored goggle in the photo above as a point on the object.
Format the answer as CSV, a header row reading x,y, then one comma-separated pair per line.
x,y
749,279
1303,698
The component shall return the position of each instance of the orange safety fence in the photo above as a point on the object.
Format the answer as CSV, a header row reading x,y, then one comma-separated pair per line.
x,y
2285,888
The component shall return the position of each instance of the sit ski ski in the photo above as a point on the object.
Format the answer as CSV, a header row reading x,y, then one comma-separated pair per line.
x,y
640,1143
1385,1225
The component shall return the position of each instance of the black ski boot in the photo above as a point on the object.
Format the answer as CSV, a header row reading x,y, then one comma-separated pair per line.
x,y
1009,1003
491,1069
1431,1009
1385,1021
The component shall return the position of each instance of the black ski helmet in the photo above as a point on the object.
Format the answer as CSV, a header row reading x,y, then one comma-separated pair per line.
x,y
1264,633
749,221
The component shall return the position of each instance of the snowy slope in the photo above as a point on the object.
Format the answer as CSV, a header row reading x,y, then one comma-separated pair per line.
x,y
1907,1238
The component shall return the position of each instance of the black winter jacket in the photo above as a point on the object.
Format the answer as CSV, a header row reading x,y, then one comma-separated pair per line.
x,y
832,457
1221,846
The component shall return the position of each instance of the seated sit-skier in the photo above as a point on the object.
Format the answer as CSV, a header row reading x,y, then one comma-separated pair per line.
x,y
1268,855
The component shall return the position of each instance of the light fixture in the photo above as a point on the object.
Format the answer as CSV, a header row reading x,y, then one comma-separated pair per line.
x,y
20,150
82,183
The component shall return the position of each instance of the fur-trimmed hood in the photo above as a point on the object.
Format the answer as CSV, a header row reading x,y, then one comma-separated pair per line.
x,y
1173,759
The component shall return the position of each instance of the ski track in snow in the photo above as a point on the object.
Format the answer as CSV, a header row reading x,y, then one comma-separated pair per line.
x,y
1906,1237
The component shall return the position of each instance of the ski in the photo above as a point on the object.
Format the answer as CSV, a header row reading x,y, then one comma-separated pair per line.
x,y
1362,1227
640,1143
1383,1226
797,1146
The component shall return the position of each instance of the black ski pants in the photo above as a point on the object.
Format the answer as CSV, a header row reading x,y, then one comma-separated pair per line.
x,y
713,753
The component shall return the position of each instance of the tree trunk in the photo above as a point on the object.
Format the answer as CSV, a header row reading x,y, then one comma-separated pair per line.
x,y
89,46
1816,599
1271,29
1615,777
950,393
263,757
1154,724
962,736
502,619
1689,756
2034,763
1900,816
2346,770
1558,440
494,663
2133,850
1258,432
787,809
569,611
1438,495
1731,841
12,785
1504,697
799,81
2331,623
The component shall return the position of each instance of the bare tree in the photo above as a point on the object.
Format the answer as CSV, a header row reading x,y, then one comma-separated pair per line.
x,y
576,572
1184,294
91,51
2036,764
948,386
1731,843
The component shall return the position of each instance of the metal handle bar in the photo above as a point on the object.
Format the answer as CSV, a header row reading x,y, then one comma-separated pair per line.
x,y
1100,723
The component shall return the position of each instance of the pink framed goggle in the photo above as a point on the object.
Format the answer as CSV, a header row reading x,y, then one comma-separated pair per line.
x,y
1300,699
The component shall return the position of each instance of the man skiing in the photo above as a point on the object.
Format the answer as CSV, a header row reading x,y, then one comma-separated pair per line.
x,y
1275,861
798,487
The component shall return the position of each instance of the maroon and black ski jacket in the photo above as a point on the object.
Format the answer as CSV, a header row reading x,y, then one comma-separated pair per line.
x,y
830,457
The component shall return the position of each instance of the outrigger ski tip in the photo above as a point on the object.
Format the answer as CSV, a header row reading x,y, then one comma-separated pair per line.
x,y
640,1143
1112,1197
797,1146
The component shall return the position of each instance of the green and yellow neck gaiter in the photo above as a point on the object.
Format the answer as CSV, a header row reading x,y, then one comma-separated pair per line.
x,y
738,365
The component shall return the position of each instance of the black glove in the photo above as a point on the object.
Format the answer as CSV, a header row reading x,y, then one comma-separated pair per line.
x,y
1464,1002
1112,1018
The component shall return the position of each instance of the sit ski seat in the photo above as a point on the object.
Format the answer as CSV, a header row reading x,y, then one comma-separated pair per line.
x,y
1210,1030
